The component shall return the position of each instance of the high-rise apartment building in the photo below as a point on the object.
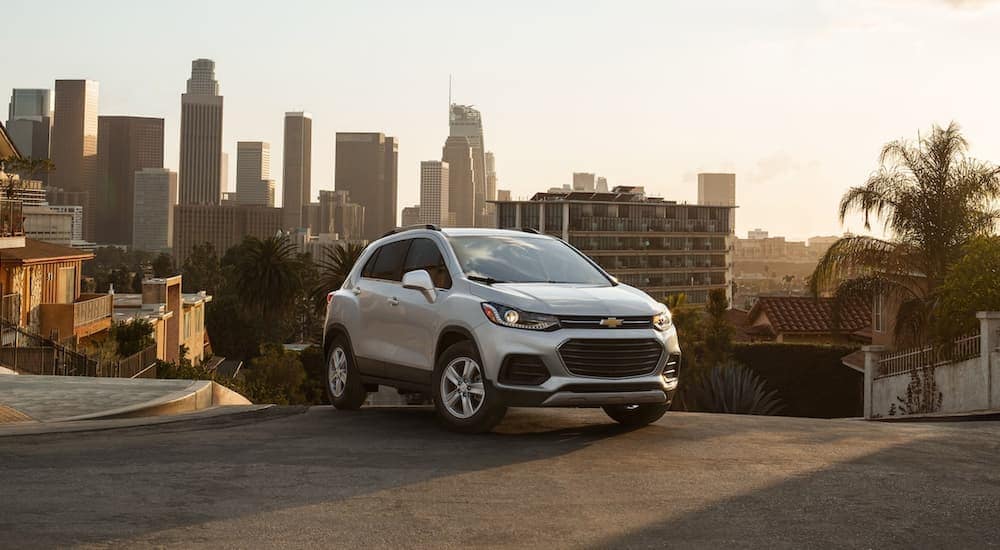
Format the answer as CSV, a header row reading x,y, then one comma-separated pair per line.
x,y
74,143
584,181
29,122
366,169
660,246
602,184
253,173
717,189
434,193
297,173
222,226
153,209
465,121
491,187
457,153
200,172
125,145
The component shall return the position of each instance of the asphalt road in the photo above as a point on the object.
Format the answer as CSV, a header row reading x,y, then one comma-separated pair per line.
x,y
555,478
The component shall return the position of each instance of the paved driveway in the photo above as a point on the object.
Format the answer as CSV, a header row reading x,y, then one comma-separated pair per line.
x,y
391,478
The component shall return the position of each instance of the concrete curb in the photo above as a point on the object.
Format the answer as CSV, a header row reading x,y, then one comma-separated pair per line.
x,y
234,412
199,395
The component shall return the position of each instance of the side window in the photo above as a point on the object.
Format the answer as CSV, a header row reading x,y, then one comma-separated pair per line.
x,y
389,262
425,254
370,264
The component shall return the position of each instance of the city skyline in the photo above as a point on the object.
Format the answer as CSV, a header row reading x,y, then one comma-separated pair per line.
x,y
780,94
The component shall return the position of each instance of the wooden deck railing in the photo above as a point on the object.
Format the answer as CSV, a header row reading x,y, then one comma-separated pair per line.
x,y
92,307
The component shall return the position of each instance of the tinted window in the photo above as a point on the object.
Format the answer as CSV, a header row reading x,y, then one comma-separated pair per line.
x,y
424,254
389,262
369,265
525,260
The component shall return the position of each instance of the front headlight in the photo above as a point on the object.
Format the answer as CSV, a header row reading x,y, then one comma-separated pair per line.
x,y
662,320
515,318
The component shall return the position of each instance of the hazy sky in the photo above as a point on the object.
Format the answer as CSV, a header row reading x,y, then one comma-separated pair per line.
x,y
794,96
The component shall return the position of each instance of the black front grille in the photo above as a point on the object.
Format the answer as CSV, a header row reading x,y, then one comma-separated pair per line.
x,y
611,322
611,358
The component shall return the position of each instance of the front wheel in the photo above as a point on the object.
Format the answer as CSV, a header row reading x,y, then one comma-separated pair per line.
x,y
464,399
343,383
636,415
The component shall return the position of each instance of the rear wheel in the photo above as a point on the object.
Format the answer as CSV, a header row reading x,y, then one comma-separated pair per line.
x,y
343,383
636,415
463,397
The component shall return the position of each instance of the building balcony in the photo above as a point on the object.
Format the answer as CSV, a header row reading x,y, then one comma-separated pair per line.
x,y
11,224
89,315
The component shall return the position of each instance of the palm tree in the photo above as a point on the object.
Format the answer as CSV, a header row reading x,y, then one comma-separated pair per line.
x,y
334,269
266,276
931,199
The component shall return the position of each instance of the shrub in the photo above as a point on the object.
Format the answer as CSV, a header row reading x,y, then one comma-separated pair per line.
x,y
730,388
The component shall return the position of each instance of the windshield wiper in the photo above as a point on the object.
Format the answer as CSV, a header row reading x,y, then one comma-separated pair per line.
x,y
484,280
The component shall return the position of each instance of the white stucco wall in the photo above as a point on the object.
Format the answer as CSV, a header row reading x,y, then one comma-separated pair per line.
x,y
964,387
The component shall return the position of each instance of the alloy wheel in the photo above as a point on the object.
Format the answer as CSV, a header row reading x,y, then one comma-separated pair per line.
x,y
337,372
462,389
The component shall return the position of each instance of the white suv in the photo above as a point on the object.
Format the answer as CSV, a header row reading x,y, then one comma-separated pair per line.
x,y
485,319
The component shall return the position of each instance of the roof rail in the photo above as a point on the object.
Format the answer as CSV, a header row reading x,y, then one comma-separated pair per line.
x,y
428,226
530,230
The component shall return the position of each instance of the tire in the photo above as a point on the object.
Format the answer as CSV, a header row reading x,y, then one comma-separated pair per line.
x,y
343,382
636,415
457,384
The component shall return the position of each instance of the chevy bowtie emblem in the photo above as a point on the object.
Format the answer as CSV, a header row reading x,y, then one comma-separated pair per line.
x,y
611,322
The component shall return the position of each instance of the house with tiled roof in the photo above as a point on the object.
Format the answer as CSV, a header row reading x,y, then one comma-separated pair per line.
x,y
805,319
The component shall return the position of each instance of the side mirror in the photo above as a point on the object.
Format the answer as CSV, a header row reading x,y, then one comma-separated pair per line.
x,y
419,279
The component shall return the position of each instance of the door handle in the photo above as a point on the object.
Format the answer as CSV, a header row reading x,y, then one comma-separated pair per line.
x,y
394,301
356,290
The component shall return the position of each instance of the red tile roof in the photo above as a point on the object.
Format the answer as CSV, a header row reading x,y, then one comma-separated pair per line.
x,y
805,314
41,252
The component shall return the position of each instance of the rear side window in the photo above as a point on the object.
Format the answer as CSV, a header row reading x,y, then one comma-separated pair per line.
x,y
388,261
426,255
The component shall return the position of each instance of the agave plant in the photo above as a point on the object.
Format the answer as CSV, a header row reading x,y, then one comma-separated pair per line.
x,y
729,388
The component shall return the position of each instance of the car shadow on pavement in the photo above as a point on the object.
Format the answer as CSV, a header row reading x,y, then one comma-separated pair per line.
x,y
116,485
940,491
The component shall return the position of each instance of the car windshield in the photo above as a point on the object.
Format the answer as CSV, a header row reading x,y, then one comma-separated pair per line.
x,y
515,259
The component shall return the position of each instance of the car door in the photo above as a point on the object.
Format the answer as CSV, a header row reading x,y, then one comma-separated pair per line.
x,y
417,319
376,291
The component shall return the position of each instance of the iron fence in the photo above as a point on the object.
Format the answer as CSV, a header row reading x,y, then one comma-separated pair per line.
x,y
902,362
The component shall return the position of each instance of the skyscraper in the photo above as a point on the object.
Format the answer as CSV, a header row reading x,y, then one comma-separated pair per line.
x,y
465,121
491,186
200,173
434,192
125,145
29,122
457,154
337,214
74,143
253,173
297,173
153,210
366,167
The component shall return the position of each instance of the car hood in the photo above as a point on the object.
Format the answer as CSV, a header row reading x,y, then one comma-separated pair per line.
x,y
568,299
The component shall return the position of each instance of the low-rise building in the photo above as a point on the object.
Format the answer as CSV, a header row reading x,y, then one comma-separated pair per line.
x,y
178,318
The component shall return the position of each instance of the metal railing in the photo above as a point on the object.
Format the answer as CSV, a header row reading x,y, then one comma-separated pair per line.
x,y
902,362
11,218
137,365
28,352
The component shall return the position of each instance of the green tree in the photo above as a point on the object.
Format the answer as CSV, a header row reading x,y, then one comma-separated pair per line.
x,y
718,331
931,199
266,275
972,284
276,376
15,170
333,271
132,336
163,265
202,270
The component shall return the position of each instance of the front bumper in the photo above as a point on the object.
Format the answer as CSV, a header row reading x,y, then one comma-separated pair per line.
x,y
563,388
